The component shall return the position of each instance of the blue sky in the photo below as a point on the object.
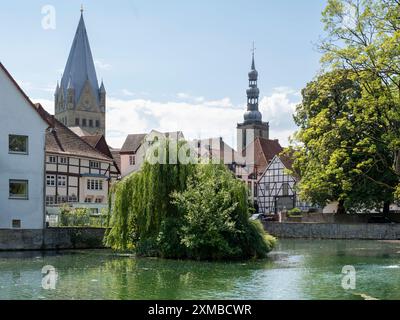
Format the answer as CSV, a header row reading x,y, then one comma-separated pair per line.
x,y
172,64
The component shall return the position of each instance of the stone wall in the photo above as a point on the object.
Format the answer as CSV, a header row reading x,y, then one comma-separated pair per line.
x,y
52,239
334,231
319,217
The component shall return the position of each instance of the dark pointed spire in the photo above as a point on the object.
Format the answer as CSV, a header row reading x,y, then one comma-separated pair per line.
x,y
253,64
102,87
80,66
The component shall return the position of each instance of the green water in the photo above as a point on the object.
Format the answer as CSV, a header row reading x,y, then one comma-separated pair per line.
x,y
295,270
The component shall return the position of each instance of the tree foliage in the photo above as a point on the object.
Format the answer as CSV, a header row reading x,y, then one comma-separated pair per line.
x,y
216,222
350,116
339,158
184,211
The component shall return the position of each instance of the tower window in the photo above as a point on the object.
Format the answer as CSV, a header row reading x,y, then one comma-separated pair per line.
x,y
84,122
97,124
91,123
77,122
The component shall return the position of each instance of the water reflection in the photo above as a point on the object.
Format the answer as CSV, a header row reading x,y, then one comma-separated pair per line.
x,y
295,270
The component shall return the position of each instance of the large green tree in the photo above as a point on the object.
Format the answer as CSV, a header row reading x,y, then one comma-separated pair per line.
x,y
364,36
360,145
338,157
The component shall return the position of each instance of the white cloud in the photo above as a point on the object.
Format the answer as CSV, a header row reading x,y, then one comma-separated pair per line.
x,y
28,86
100,64
202,119
127,93
182,95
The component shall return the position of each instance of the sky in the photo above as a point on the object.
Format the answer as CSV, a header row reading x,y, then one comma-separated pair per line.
x,y
171,65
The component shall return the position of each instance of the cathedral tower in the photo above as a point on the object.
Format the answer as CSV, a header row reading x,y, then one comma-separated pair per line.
x,y
79,101
253,126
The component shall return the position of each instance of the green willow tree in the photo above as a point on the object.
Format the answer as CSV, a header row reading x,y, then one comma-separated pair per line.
x,y
143,215
181,210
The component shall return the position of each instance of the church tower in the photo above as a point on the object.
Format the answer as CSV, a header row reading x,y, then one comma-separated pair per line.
x,y
79,100
253,126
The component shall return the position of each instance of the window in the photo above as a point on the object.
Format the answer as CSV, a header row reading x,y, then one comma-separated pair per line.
x,y
132,160
88,200
97,124
84,122
72,198
53,159
51,180
16,224
99,200
61,199
285,189
93,184
94,164
91,123
77,122
255,190
63,160
61,181
17,144
50,200
18,189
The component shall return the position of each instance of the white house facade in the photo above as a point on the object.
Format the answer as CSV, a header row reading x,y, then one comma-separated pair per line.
x,y
22,158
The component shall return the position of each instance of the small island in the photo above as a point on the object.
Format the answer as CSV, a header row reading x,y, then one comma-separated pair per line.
x,y
185,211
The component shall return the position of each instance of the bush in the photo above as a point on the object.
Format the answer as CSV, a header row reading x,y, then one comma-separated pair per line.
x,y
296,212
216,222
80,217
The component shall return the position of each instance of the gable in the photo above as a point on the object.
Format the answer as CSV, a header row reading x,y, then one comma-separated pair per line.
x,y
15,101
87,100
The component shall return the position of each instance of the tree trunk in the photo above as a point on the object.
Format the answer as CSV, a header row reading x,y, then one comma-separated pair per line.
x,y
386,207
341,208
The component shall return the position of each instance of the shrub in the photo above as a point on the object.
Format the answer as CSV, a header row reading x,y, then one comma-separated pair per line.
x,y
216,222
296,212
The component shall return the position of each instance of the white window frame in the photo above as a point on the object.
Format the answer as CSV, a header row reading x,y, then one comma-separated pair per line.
x,y
94,164
62,181
26,152
16,197
52,159
51,180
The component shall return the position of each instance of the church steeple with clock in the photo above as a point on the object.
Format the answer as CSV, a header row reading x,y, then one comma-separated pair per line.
x,y
79,100
253,126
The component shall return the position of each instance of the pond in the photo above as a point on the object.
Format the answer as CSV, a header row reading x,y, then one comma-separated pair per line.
x,y
296,269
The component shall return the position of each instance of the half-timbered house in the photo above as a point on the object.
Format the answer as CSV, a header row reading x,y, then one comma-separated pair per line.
x,y
277,188
77,174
